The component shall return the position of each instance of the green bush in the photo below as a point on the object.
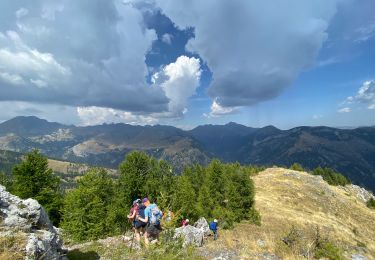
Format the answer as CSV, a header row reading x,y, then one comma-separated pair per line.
x,y
371,203
297,167
6,181
331,177
326,249
254,217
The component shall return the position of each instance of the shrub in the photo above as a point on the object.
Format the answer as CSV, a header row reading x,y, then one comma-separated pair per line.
x,y
254,217
297,167
6,181
327,249
371,203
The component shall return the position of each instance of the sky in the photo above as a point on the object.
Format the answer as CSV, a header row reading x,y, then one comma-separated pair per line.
x,y
187,63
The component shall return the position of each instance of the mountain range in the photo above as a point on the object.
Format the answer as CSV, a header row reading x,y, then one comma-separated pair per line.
x,y
348,151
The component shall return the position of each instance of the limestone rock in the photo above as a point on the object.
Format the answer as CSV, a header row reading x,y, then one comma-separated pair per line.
x,y
358,257
29,218
190,234
361,193
202,224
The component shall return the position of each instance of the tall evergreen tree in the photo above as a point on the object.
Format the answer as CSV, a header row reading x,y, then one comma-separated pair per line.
x,y
134,171
33,179
87,208
215,181
184,198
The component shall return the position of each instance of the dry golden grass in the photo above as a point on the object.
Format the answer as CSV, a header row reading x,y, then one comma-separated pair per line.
x,y
12,246
68,167
289,200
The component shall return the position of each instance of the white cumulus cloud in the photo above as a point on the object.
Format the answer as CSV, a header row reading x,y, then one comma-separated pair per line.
x,y
178,80
217,110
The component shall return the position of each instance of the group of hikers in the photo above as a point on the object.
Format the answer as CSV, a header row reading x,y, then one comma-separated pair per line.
x,y
146,219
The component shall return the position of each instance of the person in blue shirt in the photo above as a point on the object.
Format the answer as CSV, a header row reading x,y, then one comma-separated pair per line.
x,y
213,228
153,216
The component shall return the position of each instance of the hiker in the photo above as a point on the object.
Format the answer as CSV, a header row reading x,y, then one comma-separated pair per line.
x,y
139,226
213,228
133,211
184,222
153,215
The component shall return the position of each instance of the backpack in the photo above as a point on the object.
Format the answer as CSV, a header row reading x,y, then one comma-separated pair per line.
x,y
141,213
213,226
156,216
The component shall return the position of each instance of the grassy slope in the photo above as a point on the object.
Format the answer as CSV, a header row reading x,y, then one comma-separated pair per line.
x,y
287,199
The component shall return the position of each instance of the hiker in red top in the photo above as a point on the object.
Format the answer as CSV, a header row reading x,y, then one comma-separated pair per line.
x,y
134,210
184,222
133,216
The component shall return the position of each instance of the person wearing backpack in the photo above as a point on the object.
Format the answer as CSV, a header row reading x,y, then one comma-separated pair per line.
x,y
136,211
139,226
213,228
133,211
153,216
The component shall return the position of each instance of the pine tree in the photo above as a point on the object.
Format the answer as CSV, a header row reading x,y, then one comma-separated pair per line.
x,y
184,198
33,179
87,208
134,171
215,181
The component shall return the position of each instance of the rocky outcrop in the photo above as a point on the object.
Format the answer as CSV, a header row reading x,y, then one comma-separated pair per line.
x,y
202,224
361,193
28,218
191,235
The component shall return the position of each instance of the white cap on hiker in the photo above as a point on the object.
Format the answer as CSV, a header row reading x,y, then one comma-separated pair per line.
x,y
215,220
187,220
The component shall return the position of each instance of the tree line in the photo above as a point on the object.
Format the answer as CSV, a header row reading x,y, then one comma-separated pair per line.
x,y
329,175
99,204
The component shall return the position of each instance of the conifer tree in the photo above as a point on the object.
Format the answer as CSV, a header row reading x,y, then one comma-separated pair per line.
x,y
87,208
134,171
33,179
184,198
215,181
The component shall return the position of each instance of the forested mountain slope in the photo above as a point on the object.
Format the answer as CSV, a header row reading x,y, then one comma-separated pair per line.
x,y
349,151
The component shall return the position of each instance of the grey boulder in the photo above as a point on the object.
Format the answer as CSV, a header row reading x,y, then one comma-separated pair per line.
x,y
191,235
28,217
202,224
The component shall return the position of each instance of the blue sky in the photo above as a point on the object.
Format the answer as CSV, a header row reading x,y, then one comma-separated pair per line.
x,y
189,63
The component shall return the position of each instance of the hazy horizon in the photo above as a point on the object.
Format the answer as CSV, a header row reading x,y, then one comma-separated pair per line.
x,y
187,129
